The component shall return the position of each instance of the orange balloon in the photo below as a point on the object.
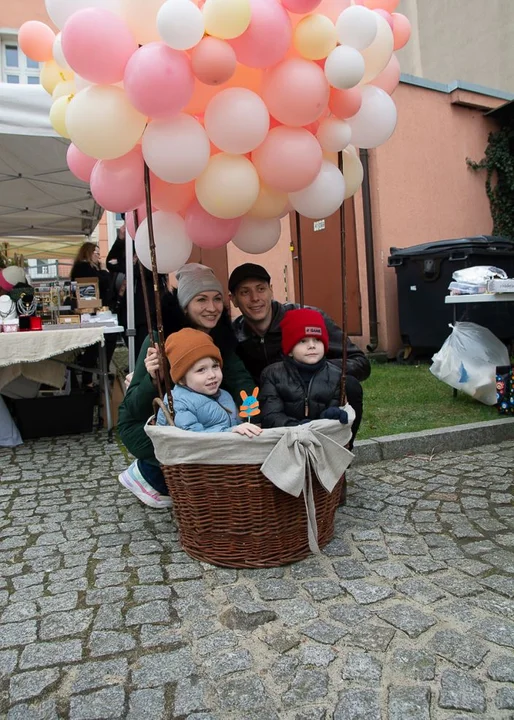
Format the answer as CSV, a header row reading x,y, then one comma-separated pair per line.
x,y
345,103
243,77
401,30
171,197
213,61
36,40
390,77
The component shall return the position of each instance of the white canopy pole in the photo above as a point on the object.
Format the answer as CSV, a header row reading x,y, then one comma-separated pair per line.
x,y
129,294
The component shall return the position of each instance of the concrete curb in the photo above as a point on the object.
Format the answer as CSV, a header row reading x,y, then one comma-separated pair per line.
x,y
429,442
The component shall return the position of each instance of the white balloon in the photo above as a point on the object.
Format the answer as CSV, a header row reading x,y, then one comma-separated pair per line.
x,y
322,197
257,235
180,24
59,54
376,120
357,26
172,245
344,67
60,10
176,150
334,134
236,120
81,83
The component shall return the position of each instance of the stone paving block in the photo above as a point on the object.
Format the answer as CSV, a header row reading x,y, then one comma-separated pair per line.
x,y
370,637
19,633
93,675
244,695
147,703
502,669
25,686
362,667
423,592
108,642
413,664
350,615
190,694
228,663
107,703
218,641
496,631
409,703
57,625
50,653
149,613
350,569
504,699
409,619
294,612
366,593
160,668
308,686
45,710
358,705
461,650
460,691
67,601
324,632
317,655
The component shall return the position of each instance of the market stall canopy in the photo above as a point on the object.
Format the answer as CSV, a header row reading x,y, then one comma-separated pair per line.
x,y
40,200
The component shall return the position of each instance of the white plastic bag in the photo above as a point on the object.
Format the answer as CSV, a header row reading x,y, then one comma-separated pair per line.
x,y
478,274
468,359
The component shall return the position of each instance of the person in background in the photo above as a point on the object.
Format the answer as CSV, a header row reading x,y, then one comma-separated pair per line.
x,y
199,403
196,303
87,265
304,386
259,334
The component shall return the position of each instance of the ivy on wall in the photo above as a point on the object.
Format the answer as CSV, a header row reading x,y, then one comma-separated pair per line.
x,y
499,184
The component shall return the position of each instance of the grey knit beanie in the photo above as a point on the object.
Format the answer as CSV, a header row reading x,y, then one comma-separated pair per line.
x,y
193,279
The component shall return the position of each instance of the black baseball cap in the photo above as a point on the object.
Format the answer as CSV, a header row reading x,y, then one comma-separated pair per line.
x,y
247,271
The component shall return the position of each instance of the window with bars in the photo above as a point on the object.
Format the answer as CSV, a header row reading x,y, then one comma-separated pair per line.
x,y
16,68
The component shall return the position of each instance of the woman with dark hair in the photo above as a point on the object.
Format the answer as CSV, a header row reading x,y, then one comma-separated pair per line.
x,y
197,303
87,265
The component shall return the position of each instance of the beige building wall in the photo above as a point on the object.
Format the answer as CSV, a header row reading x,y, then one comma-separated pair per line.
x,y
467,40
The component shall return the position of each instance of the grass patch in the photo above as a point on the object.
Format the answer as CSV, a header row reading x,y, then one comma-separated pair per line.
x,y
408,398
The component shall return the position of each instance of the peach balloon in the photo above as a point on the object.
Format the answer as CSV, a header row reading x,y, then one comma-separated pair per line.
x,y
171,197
315,37
378,54
300,6
401,30
296,92
36,40
390,77
268,36
141,17
333,8
345,103
387,5
213,61
80,165
257,235
289,159
243,77
228,187
270,203
236,120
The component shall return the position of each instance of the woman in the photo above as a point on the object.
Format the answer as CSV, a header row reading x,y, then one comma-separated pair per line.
x,y
198,303
87,265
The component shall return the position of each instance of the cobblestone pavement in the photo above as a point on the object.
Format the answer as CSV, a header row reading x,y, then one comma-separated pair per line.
x,y
408,615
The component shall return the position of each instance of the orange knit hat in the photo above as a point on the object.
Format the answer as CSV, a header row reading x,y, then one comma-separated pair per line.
x,y
186,347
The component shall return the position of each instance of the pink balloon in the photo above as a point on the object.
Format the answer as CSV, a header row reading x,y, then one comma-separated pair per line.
x,y
36,40
81,165
141,215
268,37
296,92
289,159
213,60
345,103
300,6
97,45
118,185
159,81
387,17
401,30
207,231
390,77
171,197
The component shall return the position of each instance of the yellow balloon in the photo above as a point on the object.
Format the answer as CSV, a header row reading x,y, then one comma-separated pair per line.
x,y
64,88
226,19
141,17
270,203
102,123
228,187
352,170
377,55
52,74
58,116
315,37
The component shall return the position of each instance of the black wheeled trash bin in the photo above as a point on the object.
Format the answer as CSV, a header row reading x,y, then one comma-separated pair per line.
x,y
423,274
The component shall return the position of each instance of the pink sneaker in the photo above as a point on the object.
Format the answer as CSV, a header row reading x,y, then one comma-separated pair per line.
x,y
132,479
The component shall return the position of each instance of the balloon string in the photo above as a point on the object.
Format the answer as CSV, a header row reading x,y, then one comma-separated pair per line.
x,y
342,214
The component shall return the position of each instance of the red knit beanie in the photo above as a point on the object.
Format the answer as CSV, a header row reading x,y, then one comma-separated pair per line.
x,y
301,323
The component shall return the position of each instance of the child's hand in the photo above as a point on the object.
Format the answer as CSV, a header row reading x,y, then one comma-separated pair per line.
x,y
247,429
152,361
335,413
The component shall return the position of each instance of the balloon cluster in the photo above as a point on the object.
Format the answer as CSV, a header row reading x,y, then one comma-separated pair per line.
x,y
238,107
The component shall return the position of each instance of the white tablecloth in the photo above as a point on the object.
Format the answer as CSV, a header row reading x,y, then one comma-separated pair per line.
x,y
25,356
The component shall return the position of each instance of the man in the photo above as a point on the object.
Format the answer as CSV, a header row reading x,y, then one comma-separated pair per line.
x,y
259,335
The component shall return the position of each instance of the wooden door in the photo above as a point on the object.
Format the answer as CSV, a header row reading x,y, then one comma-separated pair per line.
x,y
320,247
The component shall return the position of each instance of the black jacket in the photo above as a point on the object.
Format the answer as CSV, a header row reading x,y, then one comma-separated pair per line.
x,y
287,400
257,352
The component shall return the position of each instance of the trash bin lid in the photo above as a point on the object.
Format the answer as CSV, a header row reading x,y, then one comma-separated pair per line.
x,y
483,243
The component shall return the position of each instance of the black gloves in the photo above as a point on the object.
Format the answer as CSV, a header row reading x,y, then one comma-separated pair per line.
x,y
335,413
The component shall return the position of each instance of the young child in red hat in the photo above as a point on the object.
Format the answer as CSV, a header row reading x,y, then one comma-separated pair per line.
x,y
305,386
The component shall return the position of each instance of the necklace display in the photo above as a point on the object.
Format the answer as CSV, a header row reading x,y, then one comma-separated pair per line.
x,y
10,308
26,308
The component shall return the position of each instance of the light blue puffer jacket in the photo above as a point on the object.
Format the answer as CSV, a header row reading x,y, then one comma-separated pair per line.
x,y
201,413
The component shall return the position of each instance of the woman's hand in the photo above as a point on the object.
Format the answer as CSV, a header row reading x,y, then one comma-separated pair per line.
x,y
128,380
247,429
152,362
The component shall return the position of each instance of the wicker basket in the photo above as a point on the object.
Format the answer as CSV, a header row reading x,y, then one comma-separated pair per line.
x,y
231,515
